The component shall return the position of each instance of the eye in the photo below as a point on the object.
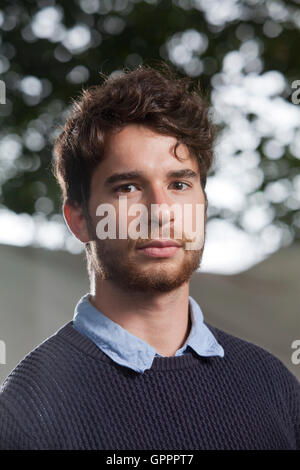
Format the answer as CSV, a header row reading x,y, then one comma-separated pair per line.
x,y
124,188
180,185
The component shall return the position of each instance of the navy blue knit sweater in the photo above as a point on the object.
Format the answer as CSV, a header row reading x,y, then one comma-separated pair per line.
x,y
68,394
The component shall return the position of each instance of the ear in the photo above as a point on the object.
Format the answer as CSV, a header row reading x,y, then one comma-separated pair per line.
x,y
74,218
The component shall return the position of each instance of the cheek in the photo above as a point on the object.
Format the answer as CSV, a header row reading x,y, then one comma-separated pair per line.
x,y
193,219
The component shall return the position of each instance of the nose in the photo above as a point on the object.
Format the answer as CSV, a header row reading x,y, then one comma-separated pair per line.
x,y
159,205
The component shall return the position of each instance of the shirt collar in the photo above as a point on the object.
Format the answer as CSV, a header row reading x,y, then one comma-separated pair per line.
x,y
127,349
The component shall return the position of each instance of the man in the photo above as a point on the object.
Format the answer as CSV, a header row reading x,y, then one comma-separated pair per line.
x,y
138,368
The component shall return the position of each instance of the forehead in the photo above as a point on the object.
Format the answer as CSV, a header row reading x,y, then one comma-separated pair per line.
x,y
137,147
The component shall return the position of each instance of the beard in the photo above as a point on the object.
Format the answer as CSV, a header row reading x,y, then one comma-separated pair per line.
x,y
128,271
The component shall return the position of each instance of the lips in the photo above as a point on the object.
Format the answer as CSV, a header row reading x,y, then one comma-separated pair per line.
x,y
159,244
159,249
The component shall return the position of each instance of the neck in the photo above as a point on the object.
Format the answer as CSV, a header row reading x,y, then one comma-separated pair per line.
x,y
159,319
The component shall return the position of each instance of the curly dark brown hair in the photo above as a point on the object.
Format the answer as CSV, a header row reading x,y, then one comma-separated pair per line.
x,y
155,98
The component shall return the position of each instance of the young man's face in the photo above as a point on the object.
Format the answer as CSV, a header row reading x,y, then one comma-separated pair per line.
x,y
156,177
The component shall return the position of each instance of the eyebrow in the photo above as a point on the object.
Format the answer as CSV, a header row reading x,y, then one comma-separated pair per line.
x,y
117,177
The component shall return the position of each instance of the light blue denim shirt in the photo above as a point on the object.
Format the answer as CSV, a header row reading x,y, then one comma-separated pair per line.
x,y
127,349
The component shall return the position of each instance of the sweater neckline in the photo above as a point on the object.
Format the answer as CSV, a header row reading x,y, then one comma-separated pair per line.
x,y
85,344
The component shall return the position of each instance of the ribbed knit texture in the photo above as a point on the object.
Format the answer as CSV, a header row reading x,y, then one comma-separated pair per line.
x,y
67,394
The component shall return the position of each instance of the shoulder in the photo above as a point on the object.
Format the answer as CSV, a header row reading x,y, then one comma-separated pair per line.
x,y
40,373
254,359
25,392
253,368
37,362
46,366
36,368
39,390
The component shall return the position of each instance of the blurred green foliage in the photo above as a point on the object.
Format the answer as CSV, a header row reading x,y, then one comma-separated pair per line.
x,y
50,50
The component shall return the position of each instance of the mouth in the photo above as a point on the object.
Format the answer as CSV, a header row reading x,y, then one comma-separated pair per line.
x,y
159,249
